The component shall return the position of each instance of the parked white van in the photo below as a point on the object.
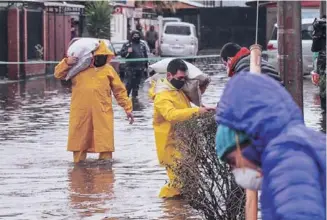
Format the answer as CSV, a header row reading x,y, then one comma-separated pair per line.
x,y
179,39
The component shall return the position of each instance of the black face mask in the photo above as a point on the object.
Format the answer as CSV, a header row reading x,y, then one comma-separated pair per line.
x,y
178,84
136,39
100,60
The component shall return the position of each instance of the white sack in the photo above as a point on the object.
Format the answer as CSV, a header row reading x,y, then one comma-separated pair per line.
x,y
82,48
161,67
195,79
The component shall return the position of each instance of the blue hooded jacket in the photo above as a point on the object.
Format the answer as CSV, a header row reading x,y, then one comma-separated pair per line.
x,y
292,156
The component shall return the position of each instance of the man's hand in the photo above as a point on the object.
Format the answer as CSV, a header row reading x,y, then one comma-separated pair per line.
x,y
203,109
130,117
71,60
130,50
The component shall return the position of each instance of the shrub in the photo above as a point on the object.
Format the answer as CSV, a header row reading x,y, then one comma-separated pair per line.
x,y
207,183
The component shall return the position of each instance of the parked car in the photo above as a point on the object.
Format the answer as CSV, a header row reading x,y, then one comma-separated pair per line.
x,y
118,46
179,39
306,34
170,19
115,64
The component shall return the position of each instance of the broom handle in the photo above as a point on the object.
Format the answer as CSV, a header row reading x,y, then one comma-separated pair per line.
x,y
251,206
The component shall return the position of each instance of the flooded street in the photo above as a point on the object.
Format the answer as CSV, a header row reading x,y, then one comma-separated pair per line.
x,y
39,181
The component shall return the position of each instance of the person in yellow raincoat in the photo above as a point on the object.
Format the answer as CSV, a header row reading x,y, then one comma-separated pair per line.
x,y
91,114
171,105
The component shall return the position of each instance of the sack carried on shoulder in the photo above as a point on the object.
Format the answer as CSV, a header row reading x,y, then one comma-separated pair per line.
x,y
82,48
196,79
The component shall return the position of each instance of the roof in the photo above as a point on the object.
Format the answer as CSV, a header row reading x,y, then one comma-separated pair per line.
x,y
63,4
196,4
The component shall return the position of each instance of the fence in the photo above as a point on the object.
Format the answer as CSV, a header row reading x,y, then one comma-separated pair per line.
x,y
217,26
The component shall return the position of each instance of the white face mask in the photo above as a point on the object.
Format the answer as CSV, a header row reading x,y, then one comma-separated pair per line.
x,y
247,178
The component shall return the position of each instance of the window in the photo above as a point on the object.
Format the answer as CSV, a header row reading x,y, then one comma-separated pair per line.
x,y
306,32
179,30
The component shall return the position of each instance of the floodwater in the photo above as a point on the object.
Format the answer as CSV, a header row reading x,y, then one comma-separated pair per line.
x,y
39,181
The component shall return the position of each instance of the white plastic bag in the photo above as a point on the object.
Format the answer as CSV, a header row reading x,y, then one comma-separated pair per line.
x,y
82,48
196,79
161,67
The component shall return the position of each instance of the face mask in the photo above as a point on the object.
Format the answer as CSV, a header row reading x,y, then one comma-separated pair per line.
x,y
247,178
178,84
136,39
100,60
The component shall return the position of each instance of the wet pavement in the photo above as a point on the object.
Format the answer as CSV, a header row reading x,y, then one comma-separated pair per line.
x,y
39,181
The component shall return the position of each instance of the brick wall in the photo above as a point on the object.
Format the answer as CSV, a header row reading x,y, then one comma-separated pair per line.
x,y
13,43
58,35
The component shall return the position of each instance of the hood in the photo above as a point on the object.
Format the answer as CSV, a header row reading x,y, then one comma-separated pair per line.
x,y
158,83
104,50
162,85
240,54
258,106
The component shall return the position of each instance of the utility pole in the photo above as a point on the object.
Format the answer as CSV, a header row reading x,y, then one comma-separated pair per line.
x,y
290,48
322,8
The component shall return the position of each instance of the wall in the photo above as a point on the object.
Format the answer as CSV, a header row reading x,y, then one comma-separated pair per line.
x,y
13,43
58,35
118,27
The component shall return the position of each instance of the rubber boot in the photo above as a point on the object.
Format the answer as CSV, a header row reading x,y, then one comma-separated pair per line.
x,y
170,189
79,156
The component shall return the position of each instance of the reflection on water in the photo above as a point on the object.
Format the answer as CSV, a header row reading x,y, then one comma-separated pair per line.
x,y
91,186
38,179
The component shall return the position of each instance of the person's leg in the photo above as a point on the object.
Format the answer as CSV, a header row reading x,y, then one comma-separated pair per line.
x,y
129,80
79,156
172,188
136,82
105,156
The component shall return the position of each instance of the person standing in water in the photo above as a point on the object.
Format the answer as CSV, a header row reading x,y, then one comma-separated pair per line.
x,y
171,105
151,38
134,69
91,115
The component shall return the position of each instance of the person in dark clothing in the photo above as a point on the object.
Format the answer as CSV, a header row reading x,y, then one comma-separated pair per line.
x,y
237,59
151,38
139,29
134,69
319,46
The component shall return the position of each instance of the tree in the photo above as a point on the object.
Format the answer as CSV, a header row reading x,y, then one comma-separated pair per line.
x,y
98,18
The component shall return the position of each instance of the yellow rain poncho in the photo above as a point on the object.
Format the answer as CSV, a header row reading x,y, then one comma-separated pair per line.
x,y
170,106
91,115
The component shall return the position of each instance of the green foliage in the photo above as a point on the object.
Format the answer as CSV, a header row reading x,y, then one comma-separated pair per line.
x,y
207,183
98,17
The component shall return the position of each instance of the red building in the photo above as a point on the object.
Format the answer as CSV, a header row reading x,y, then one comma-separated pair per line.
x,y
34,31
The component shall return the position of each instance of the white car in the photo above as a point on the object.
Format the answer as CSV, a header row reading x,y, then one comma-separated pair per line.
x,y
306,34
178,39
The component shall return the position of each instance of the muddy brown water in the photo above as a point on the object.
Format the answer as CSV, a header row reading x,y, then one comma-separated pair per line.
x,y
39,181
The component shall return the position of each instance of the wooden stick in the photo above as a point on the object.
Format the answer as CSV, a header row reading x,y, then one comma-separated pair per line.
x,y
251,206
